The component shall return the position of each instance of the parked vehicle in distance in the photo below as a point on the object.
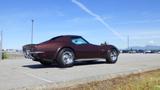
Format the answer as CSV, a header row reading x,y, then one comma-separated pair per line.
x,y
66,49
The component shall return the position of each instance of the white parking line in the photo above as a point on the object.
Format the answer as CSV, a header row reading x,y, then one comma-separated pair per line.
x,y
37,77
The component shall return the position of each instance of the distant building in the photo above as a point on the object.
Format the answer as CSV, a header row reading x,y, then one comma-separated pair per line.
x,y
13,51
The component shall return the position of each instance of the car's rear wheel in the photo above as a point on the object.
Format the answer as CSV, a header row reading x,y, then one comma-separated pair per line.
x,y
66,58
45,63
112,56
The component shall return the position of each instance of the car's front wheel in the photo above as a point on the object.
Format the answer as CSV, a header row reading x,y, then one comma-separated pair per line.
x,y
112,56
66,58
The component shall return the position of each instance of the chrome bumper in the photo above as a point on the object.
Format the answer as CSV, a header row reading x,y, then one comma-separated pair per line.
x,y
28,54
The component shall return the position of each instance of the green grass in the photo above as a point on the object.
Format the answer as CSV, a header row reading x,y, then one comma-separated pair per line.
x,y
4,55
157,87
142,81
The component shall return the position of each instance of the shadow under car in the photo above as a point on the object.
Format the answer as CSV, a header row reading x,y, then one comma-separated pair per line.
x,y
77,63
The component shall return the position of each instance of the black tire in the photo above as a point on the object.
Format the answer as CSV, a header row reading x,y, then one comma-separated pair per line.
x,y
45,63
65,58
112,56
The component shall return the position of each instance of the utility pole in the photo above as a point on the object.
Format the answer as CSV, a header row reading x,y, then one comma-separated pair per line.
x,y
1,43
32,32
128,42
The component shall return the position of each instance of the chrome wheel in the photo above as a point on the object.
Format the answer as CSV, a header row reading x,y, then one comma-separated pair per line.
x,y
67,57
113,55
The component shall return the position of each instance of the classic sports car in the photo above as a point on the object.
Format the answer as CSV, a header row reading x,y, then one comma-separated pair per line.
x,y
66,49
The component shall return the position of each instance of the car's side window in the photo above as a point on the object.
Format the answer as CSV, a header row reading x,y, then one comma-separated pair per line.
x,y
78,41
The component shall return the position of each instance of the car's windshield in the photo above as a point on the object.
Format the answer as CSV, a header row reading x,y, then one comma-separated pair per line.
x,y
79,41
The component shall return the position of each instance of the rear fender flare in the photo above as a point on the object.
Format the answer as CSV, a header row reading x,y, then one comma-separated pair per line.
x,y
60,48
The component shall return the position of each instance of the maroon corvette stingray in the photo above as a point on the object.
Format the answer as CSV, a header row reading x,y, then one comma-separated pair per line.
x,y
66,49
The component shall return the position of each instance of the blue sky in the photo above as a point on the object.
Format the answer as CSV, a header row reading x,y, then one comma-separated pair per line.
x,y
95,20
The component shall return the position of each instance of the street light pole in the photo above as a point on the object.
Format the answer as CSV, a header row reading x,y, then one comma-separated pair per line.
x,y
128,41
1,43
32,32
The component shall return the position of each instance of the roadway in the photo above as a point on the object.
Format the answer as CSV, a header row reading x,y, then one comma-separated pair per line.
x,y
27,74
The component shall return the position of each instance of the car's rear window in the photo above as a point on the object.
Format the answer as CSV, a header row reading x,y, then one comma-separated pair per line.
x,y
79,41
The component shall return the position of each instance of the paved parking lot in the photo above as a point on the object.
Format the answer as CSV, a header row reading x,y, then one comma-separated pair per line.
x,y
27,73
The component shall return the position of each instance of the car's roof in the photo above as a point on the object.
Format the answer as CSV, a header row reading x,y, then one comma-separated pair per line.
x,y
70,36
63,36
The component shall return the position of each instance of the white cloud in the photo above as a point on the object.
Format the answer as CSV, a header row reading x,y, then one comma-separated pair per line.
x,y
151,42
98,17
144,37
80,19
140,21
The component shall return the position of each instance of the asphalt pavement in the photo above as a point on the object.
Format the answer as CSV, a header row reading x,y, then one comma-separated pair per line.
x,y
28,74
